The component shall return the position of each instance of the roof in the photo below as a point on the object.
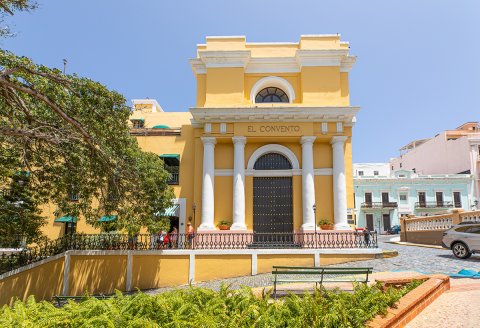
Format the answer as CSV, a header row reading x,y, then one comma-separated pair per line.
x,y
414,143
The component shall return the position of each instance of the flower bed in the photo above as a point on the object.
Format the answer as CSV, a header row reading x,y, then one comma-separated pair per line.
x,y
198,307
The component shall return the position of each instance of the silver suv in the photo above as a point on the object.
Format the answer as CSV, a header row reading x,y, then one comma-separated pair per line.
x,y
463,239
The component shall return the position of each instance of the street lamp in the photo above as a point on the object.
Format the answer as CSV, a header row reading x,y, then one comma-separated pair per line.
x,y
194,207
315,222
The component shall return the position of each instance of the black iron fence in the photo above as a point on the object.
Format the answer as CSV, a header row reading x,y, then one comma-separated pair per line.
x,y
379,205
434,204
213,241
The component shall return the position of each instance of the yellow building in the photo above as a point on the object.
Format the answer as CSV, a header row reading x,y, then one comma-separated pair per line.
x,y
269,137
268,140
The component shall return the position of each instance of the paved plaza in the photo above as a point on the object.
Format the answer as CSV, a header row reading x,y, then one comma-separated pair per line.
x,y
410,258
423,259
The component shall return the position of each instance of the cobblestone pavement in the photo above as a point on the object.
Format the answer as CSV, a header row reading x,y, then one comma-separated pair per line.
x,y
410,258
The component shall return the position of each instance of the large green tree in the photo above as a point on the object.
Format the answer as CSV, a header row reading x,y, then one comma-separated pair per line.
x,y
72,135
20,219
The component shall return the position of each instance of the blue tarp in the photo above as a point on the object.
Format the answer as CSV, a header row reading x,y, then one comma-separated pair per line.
x,y
466,274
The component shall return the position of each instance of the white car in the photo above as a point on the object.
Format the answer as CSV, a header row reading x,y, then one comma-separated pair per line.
x,y
463,239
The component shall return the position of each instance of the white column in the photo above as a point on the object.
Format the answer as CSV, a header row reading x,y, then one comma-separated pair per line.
x,y
339,184
239,183
308,184
208,183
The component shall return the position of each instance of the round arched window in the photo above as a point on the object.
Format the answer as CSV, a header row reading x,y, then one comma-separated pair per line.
x,y
271,95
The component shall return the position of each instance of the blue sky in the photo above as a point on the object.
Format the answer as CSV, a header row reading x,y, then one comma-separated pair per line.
x,y
417,71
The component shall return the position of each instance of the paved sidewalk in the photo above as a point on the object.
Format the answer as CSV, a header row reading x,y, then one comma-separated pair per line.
x,y
456,308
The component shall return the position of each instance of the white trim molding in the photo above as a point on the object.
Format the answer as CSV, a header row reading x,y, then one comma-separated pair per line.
x,y
324,171
289,113
273,173
320,57
272,81
213,59
273,148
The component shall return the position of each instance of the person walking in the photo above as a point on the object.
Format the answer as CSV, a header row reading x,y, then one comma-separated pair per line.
x,y
174,238
190,234
366,236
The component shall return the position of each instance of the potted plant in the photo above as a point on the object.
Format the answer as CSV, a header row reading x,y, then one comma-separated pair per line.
x,y
224,225
325,224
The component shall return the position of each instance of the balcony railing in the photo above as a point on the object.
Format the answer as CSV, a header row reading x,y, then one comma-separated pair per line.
x,y
433,204
213,241
173,179
379,205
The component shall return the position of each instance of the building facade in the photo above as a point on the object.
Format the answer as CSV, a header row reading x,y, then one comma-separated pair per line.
x,y
380,200
449,152
269,137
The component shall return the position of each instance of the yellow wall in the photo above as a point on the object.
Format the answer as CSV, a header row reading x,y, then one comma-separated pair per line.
x,y
43,281
153,271
223,199
96,274
224,86
266,262
201,90
324,197
321,85
102,274
328,259
211,267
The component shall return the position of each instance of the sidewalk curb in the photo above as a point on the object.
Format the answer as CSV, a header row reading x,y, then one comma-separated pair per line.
x,y
412,244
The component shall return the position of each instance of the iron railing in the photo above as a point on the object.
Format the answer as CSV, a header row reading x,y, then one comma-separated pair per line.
x,y
213,241
434,204
379,205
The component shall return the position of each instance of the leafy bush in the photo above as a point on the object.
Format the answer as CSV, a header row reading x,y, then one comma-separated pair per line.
x,y
199,307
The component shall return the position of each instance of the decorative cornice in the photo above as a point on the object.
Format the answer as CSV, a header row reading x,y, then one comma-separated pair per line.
x,y
345,114
198,66
238,58
347,63
272,65
324,57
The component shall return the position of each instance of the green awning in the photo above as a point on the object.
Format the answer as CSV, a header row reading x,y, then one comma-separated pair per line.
x,y
169,211
107,218
161,126
137,119
171,159
66,219
170,156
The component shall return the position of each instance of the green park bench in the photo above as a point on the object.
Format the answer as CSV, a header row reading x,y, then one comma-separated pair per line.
x,y
61,300
318,275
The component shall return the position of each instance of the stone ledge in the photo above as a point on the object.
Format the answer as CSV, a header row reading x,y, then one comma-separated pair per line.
x,y
412,303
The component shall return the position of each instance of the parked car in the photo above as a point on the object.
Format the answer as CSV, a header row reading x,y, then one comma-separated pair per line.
x,y
463,240
394,230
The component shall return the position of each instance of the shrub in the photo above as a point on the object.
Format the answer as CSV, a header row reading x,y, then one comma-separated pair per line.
x,y
199,307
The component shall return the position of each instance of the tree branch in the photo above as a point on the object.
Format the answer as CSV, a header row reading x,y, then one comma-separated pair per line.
x,y
31,134
31,91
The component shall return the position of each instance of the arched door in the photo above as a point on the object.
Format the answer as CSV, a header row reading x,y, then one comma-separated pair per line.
x,y
272,200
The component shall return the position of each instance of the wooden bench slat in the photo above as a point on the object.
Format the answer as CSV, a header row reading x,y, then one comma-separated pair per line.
x,y
325,275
